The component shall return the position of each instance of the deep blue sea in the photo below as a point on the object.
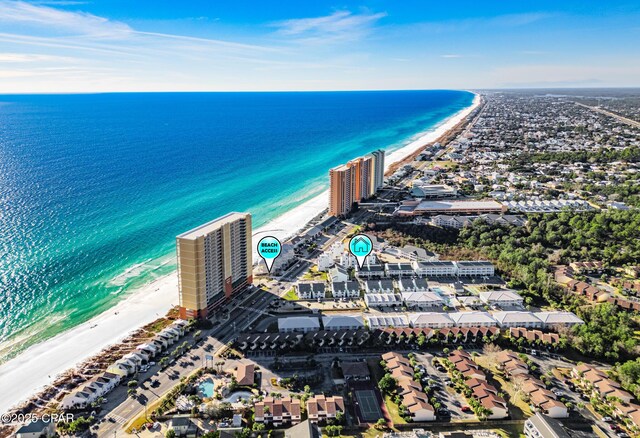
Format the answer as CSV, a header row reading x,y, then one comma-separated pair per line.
x,y
94,188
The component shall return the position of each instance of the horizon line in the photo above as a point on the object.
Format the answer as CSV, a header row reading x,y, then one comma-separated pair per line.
x,y
468,90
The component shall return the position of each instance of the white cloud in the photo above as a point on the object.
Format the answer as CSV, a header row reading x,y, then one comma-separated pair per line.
x,y
340,25
37,18
451,55
29,57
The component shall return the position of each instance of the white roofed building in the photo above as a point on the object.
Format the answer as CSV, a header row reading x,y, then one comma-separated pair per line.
x,y
434,269
343,322
504,297
473,319
303,324
564,319
432,320
475,269
517,319
422,299
384,321
382,300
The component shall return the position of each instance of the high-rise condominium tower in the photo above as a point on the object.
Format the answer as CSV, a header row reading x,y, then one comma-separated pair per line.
x,y
214,262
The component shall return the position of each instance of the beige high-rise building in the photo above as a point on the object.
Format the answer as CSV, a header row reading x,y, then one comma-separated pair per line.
x,y
341,191
214,262
359,179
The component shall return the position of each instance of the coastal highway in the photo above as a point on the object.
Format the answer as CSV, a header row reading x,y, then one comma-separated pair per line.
x,y
120,408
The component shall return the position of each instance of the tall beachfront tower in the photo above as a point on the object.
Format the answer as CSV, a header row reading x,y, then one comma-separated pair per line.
x,y
341,190
214,262
378,170
359,179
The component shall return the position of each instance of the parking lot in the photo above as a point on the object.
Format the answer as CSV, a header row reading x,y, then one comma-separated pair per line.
x,y
451,401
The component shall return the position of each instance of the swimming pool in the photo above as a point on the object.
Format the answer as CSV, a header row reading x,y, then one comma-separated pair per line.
x,y
206,388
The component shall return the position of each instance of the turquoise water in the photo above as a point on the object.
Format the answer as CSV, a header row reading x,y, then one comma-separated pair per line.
x,y
94,188
206,388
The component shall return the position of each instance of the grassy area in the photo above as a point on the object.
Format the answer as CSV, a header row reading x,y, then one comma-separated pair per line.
x,y
443,164
291,295
372,432
393,410
515,400
314,274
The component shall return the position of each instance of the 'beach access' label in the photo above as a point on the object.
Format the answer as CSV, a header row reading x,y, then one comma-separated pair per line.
x,y
269,248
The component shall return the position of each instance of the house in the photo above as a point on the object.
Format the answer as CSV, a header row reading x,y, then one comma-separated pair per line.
x,y
311,290
355,371
419,407
493,402
321,408
480,268
412,285
306,429
182,426
434,268
384,286
36,429
517,319
277,412
343,322
563,319
472,319
338,273
302,324
422,299
148,349
414,253
399,270
430,320
345,289
599,383
511,364
382,300
245,374
368,271
502,298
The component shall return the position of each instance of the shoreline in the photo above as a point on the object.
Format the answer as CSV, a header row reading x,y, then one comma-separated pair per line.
x,y
25,374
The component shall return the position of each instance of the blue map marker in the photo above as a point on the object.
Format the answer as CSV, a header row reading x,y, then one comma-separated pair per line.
x,y
360,246
269,248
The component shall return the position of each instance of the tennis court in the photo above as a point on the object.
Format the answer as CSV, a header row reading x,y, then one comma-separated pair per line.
x,y
368,405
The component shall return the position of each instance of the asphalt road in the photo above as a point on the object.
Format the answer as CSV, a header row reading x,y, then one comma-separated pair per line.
x,y
121,409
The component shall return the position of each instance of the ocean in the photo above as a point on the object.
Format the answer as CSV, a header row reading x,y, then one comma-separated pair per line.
x,y
95,187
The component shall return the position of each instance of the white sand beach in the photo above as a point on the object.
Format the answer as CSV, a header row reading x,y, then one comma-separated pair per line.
x,y
38,366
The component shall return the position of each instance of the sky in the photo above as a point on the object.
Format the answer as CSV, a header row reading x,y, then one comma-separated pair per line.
x,y
62,46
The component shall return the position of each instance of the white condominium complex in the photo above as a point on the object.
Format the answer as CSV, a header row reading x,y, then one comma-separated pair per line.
x,y
214,262
378,174
359,179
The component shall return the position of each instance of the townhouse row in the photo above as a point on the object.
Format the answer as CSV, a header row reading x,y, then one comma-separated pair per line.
x,y
100,385
539,396
479,389
287,411
414,399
